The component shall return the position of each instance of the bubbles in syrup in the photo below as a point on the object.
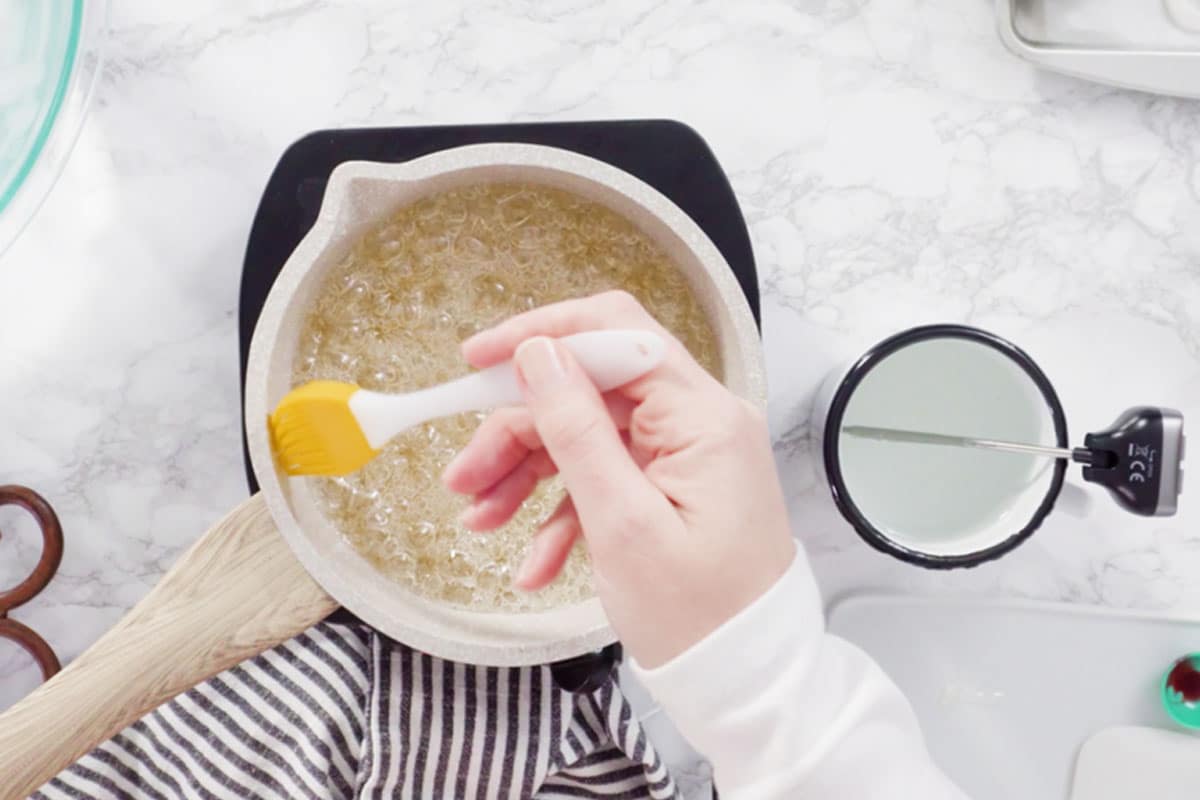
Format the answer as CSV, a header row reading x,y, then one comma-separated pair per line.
x,y
391,316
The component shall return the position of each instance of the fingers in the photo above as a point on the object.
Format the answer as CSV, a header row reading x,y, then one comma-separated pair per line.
x,y
499,444
599,312
505,440
551,546
575,428
496,505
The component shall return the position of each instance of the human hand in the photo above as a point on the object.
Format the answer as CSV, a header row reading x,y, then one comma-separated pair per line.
x,y
670,479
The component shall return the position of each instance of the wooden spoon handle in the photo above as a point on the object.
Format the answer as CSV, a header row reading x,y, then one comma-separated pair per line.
x,y
236,592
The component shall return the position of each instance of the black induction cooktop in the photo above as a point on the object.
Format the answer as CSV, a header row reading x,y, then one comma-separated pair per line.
x,y
668,155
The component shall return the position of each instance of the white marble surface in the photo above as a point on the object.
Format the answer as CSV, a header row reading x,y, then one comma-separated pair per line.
x,y
896,166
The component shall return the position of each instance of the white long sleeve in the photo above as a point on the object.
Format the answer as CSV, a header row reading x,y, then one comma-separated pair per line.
x,y
783,709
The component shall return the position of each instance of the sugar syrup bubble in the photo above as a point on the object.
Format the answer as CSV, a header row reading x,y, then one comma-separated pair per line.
x,y
392,316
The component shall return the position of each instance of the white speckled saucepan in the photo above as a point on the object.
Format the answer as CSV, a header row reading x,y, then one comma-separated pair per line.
x,y
360,194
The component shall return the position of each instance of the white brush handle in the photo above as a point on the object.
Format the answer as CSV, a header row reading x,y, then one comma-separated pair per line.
x,y
610,358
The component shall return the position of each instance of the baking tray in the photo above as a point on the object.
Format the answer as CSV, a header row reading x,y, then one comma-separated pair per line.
x,y
1006,690
1148,45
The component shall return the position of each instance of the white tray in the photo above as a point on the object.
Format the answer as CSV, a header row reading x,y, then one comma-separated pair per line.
x,y
1007,693
1136,44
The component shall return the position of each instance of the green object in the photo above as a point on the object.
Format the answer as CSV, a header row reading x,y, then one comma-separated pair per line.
x,y
40,39
50,56
1181,691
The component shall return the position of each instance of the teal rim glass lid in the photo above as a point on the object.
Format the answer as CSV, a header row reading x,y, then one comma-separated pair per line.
x,y
49,58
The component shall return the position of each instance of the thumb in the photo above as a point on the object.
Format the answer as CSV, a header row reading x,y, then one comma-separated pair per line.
x,y
575,428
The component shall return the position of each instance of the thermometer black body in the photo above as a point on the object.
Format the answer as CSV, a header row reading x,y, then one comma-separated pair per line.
x,y
1139,459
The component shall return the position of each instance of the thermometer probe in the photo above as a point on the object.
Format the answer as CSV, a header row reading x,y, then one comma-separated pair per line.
x,y
1139,458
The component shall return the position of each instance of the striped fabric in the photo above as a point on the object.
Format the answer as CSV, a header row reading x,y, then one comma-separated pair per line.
x,y
341,712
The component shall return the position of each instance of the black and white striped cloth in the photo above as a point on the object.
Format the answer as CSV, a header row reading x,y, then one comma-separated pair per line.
x,y
341,712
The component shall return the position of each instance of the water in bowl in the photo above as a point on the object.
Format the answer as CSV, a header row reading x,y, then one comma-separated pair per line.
x,y
946,500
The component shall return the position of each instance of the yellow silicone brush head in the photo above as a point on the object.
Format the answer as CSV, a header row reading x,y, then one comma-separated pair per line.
x,y
314,432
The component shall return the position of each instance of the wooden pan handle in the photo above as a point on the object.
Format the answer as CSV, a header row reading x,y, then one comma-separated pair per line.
x,y
236,592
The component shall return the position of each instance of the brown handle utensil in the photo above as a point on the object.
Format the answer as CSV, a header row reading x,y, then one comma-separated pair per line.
x,y
236,592
26,590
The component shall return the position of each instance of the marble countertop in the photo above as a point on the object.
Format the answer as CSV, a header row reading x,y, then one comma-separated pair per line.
x,y
895,164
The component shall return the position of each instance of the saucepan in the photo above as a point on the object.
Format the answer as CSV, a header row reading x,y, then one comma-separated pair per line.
x,y
275,566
